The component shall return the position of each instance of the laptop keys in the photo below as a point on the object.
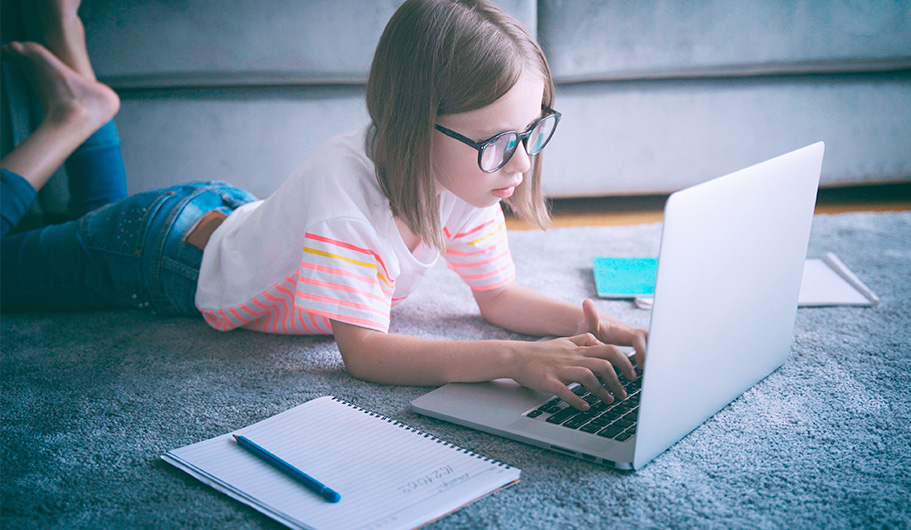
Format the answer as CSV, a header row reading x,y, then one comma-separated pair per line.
x,y
564,414
615,420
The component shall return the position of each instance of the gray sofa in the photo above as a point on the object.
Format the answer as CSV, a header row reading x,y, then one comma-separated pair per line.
x,y
656,94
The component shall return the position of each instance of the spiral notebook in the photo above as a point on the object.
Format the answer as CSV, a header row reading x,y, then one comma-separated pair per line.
x,y
389,475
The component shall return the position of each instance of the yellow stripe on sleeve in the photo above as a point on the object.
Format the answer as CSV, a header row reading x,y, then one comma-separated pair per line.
x,y
495,231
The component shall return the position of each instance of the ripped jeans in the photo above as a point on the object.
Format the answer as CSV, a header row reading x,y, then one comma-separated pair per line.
x,y
128,254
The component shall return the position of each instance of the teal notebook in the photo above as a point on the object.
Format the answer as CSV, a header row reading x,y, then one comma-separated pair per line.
x,y
625,277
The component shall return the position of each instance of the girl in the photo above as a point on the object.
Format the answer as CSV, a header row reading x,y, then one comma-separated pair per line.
x,y
461,102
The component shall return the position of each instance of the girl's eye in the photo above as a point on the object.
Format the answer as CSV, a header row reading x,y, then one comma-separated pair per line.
x,y
491,156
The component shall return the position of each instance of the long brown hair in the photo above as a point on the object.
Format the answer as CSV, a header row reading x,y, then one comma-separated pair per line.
x,y
439,57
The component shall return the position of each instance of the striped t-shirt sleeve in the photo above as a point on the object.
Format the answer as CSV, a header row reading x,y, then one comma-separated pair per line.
x,y
479,251
343,277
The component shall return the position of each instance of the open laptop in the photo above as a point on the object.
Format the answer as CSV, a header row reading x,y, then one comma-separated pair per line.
x,y
729,274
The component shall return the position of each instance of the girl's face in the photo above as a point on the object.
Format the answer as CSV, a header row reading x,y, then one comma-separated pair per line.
x,y
456,164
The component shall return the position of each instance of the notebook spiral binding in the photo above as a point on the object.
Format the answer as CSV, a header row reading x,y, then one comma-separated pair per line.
x,y
420,432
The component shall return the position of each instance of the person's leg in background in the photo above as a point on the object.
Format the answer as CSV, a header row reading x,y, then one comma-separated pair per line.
x,y
64,34
52,267
77,126
131,253
95,170
74,109
51,257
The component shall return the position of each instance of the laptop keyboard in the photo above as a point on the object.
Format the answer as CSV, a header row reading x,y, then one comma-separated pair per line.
x,y
616,420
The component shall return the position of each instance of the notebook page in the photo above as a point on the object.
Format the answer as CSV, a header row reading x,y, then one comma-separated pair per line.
x,y
822,285
388,475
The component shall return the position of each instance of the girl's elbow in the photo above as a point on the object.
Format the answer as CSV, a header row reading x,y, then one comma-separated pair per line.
x,y
356,363
354,346
362,361
490,317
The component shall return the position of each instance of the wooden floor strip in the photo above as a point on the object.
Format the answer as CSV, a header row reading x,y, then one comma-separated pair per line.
x,y
613,211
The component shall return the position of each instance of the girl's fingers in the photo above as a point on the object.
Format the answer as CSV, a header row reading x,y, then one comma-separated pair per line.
x,y
615,356
598,377
590,316
613,331
590,381
585,339
605,370
563,392
593,368
639,343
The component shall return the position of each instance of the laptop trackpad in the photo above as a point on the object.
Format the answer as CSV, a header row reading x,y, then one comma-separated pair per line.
x,y
496,402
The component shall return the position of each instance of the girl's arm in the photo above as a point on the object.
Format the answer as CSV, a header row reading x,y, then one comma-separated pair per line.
x,y
546,366
527,311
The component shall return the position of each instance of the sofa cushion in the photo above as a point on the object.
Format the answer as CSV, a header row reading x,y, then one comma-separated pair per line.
x,y
590,40
658,136
239,42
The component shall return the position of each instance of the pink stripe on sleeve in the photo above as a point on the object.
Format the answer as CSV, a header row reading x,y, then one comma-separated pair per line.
x,y
351,320
488,274
475,229
495,285
503,253
343,303
349,246
344,288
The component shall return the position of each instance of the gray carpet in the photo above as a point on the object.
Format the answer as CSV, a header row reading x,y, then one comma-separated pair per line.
x,y
90,401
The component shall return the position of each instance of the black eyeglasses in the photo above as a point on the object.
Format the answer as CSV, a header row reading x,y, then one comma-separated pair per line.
x,y
496,151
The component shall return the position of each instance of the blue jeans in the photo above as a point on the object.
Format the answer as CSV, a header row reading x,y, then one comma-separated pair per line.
x,y
128,254
95,177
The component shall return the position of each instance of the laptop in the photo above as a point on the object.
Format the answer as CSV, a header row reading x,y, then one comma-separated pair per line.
x,y
729,272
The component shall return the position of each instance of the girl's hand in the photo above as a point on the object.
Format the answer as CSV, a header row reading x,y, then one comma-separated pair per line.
x,y
549,366
612,331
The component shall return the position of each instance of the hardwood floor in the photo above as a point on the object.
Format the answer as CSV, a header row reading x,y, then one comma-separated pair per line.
x,y
605,211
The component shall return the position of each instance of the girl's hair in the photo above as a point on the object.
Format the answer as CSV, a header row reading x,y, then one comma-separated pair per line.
x,y
439,57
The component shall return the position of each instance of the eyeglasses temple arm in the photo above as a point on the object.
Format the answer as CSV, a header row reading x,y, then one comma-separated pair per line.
x,y
457,136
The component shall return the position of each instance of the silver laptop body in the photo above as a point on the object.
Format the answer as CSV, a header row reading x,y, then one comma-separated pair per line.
x,y
731,260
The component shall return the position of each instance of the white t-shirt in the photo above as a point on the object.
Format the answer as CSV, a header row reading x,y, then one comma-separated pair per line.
x,y
326,246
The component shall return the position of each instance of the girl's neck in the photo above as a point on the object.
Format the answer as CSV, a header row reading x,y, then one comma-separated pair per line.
x,y
410,238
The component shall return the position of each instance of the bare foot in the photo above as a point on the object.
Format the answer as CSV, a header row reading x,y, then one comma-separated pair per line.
x,y
64,34
68,97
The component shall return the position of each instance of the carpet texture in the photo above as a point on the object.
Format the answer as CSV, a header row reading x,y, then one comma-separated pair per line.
x,y
90,401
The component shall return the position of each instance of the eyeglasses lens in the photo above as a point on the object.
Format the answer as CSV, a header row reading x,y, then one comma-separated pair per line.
x,y
495,153
541,135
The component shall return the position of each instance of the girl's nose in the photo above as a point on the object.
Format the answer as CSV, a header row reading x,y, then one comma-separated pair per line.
x,y
520,161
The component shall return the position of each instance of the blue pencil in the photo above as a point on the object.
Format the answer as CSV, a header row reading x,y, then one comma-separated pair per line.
x,y
311,483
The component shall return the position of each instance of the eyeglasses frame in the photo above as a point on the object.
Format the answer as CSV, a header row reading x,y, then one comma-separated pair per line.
x,y
522,136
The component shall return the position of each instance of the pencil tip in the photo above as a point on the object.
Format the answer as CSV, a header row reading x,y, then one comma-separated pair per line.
x,y
235,436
